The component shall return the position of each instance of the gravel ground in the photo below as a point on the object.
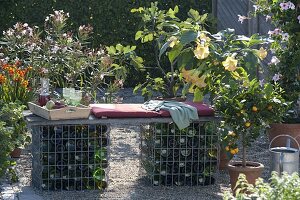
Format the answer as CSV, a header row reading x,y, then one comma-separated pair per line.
x,y
126,178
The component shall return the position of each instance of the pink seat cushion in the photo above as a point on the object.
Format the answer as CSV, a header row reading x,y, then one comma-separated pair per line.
x,y
136,110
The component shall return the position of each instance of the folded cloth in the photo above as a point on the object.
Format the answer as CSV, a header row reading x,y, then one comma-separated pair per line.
x,y
182,114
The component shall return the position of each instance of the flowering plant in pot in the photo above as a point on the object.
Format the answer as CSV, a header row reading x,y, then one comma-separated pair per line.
x,y
285,17
248,107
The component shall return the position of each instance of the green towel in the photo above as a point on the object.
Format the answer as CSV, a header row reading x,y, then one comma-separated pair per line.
x,y
182,114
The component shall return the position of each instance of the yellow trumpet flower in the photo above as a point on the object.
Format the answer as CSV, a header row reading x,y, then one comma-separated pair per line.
x,y
230,63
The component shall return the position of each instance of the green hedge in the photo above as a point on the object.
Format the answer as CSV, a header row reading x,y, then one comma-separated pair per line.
x,y
112,21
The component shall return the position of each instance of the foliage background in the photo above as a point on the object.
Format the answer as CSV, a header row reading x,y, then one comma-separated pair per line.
x,y
112,21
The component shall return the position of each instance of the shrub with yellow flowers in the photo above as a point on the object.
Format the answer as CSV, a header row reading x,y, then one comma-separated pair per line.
x,y
15,83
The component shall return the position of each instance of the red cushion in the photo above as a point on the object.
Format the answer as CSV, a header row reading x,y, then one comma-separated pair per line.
x,y
121,111
135,110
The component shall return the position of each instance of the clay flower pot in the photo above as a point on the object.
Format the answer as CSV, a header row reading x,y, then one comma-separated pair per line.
x,y
16,153
253,170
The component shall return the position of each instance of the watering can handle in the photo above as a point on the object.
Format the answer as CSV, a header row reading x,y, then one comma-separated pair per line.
x,y
285,136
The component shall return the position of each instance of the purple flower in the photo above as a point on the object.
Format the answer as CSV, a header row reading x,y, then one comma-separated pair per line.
x,y
291,5
284,6
276,77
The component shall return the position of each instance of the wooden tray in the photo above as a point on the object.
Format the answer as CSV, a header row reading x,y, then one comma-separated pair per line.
x,y
69,112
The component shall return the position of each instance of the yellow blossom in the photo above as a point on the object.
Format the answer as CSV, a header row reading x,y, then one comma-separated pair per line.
x,y
201,51
173,41
230,63
204,38
231,133
262,53
192,76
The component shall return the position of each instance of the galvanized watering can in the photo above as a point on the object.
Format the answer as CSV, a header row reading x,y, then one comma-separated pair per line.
x,y
284,159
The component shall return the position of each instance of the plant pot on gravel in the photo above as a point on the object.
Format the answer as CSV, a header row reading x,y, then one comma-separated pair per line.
x,y
244,108
253,170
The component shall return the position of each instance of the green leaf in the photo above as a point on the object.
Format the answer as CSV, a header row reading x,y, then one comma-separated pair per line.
x,y
188,36
198,95
133,48
111,50
186,59
203,17
176,50
119,47
194,14
138,35
268,89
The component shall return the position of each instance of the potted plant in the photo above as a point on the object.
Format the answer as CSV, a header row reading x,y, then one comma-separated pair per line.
x,y
167,35
285,16
279,187
248,108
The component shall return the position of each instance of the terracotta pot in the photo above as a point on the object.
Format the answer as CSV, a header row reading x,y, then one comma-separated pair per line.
x,y
284,129
223,160
16,153
253,170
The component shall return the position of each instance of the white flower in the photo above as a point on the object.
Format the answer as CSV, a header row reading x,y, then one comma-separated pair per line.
x,y
242,18
276,77
274,60
277,31
268,17
10,32
261,83
256,7
285,36
23,32
298,18
47,19
55,49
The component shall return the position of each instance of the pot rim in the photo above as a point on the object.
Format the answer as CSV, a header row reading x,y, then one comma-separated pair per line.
x,y
254,166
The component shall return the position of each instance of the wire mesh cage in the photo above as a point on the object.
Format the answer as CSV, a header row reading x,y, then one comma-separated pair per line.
x,y
179,157
65,157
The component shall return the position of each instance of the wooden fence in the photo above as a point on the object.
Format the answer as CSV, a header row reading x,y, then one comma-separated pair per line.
x,y
227,11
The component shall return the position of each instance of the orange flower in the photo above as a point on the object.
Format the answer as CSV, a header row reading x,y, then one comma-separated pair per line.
x,y
25,83
5,66
11,71
21,73
2,79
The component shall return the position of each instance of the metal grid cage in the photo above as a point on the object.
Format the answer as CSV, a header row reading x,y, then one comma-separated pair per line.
x,y
66,156
179,157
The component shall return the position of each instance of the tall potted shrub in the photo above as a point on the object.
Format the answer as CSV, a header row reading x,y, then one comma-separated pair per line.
x,y
248,108
285,16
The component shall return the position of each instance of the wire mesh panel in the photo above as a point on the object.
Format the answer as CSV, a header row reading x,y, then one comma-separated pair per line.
x,y
65,157
179,157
